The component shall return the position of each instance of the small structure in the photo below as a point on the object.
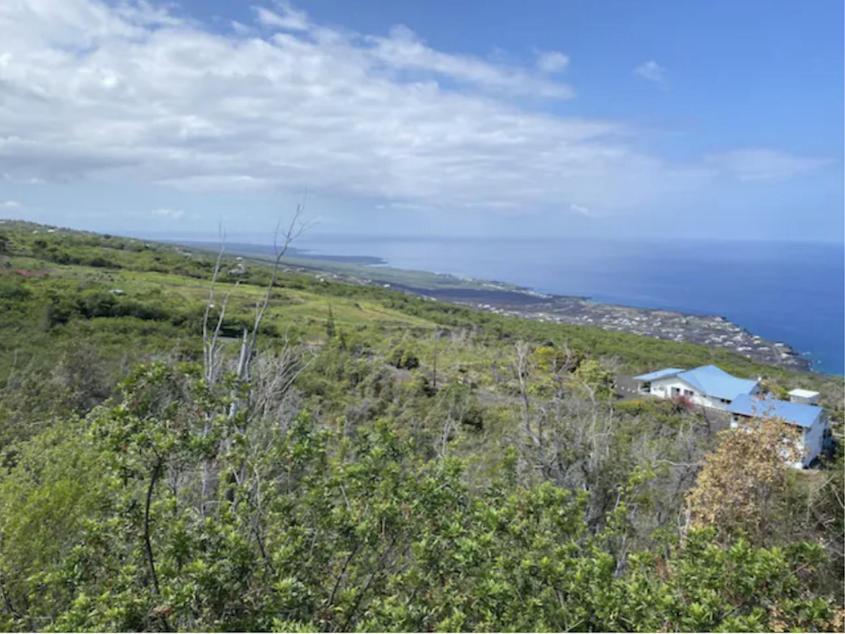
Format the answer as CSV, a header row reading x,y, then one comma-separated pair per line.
x,y
810,420
706,385
808,397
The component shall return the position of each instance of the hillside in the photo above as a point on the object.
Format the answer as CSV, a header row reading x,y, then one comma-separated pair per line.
x,y
383,461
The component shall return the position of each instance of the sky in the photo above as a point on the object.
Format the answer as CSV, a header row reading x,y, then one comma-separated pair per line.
x,y
696,119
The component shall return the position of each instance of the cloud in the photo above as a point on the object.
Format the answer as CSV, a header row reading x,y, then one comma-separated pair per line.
x,y
134,94
286,17
580,209
173,214
651,71
759,164
403,50
10,204
552,61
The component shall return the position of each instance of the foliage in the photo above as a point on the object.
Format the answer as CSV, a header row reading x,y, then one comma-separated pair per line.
x,y
362,536
403,358
743,478
340,486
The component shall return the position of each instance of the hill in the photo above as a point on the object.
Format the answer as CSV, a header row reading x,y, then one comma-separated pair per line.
x,y
371,460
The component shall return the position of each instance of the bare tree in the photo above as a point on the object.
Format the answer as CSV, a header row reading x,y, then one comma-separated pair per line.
x,y
211,335
212,329
294,231
211,338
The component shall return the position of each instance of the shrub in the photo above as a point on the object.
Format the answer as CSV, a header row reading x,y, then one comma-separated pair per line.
x,y
13,291
100,262
402,358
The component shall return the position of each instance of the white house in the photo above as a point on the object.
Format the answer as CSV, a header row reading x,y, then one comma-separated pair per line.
x,y
707,385
810,420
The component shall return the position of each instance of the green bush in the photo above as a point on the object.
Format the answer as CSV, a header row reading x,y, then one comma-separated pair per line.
x,y
13,291
403,358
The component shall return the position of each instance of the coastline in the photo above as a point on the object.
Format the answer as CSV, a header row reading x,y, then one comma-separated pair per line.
x,y
708,330
509,299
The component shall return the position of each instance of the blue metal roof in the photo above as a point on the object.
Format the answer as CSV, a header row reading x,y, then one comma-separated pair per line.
x,y
714,381
659,374
707,379
799,414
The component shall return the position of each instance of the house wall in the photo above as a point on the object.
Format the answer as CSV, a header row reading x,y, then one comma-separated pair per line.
x,y
663,388
813,439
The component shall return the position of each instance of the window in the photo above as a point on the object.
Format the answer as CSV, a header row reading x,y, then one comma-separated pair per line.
x,y
689,393
676,391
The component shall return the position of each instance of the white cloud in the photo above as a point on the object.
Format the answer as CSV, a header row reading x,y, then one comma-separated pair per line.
x,y
651,71
173,214
403,50
286,17
552,61
759,164
134,94
580,209
10,204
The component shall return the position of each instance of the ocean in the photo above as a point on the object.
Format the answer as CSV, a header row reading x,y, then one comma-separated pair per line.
x,y
790,292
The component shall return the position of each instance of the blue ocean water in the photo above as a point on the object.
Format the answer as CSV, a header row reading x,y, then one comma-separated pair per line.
x,y
791,292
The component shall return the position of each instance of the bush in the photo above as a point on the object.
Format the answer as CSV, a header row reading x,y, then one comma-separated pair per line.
x,y
13,291
100,262
59,310
403,359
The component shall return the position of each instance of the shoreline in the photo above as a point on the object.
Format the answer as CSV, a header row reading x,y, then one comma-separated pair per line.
x,y
509,299
709,330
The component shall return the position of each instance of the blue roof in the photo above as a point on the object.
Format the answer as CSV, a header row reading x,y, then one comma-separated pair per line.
x,y
707,379
799,414
659,374
714,381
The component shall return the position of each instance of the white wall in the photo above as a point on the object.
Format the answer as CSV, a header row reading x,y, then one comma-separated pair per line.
x,y
813,438
663,389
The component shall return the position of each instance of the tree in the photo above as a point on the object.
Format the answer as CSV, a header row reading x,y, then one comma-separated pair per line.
x,y
591,376
742,484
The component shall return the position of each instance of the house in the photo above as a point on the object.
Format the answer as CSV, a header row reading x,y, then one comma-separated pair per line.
x,y
706,385
809,419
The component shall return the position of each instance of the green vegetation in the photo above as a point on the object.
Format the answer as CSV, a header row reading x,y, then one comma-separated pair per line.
x,y
378,462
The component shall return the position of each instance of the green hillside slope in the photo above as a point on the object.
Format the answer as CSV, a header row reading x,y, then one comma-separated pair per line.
x,y
381,462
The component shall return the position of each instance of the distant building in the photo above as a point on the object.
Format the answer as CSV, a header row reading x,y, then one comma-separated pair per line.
x,y
809,419
707,385
804,396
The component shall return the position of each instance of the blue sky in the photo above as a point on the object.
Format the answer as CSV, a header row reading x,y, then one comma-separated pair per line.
x,y
613,118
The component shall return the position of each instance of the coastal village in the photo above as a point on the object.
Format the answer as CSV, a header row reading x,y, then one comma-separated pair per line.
x,y
709,330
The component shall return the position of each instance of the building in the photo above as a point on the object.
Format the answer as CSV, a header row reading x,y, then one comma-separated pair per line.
x,y
809,419
707,385
804,396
